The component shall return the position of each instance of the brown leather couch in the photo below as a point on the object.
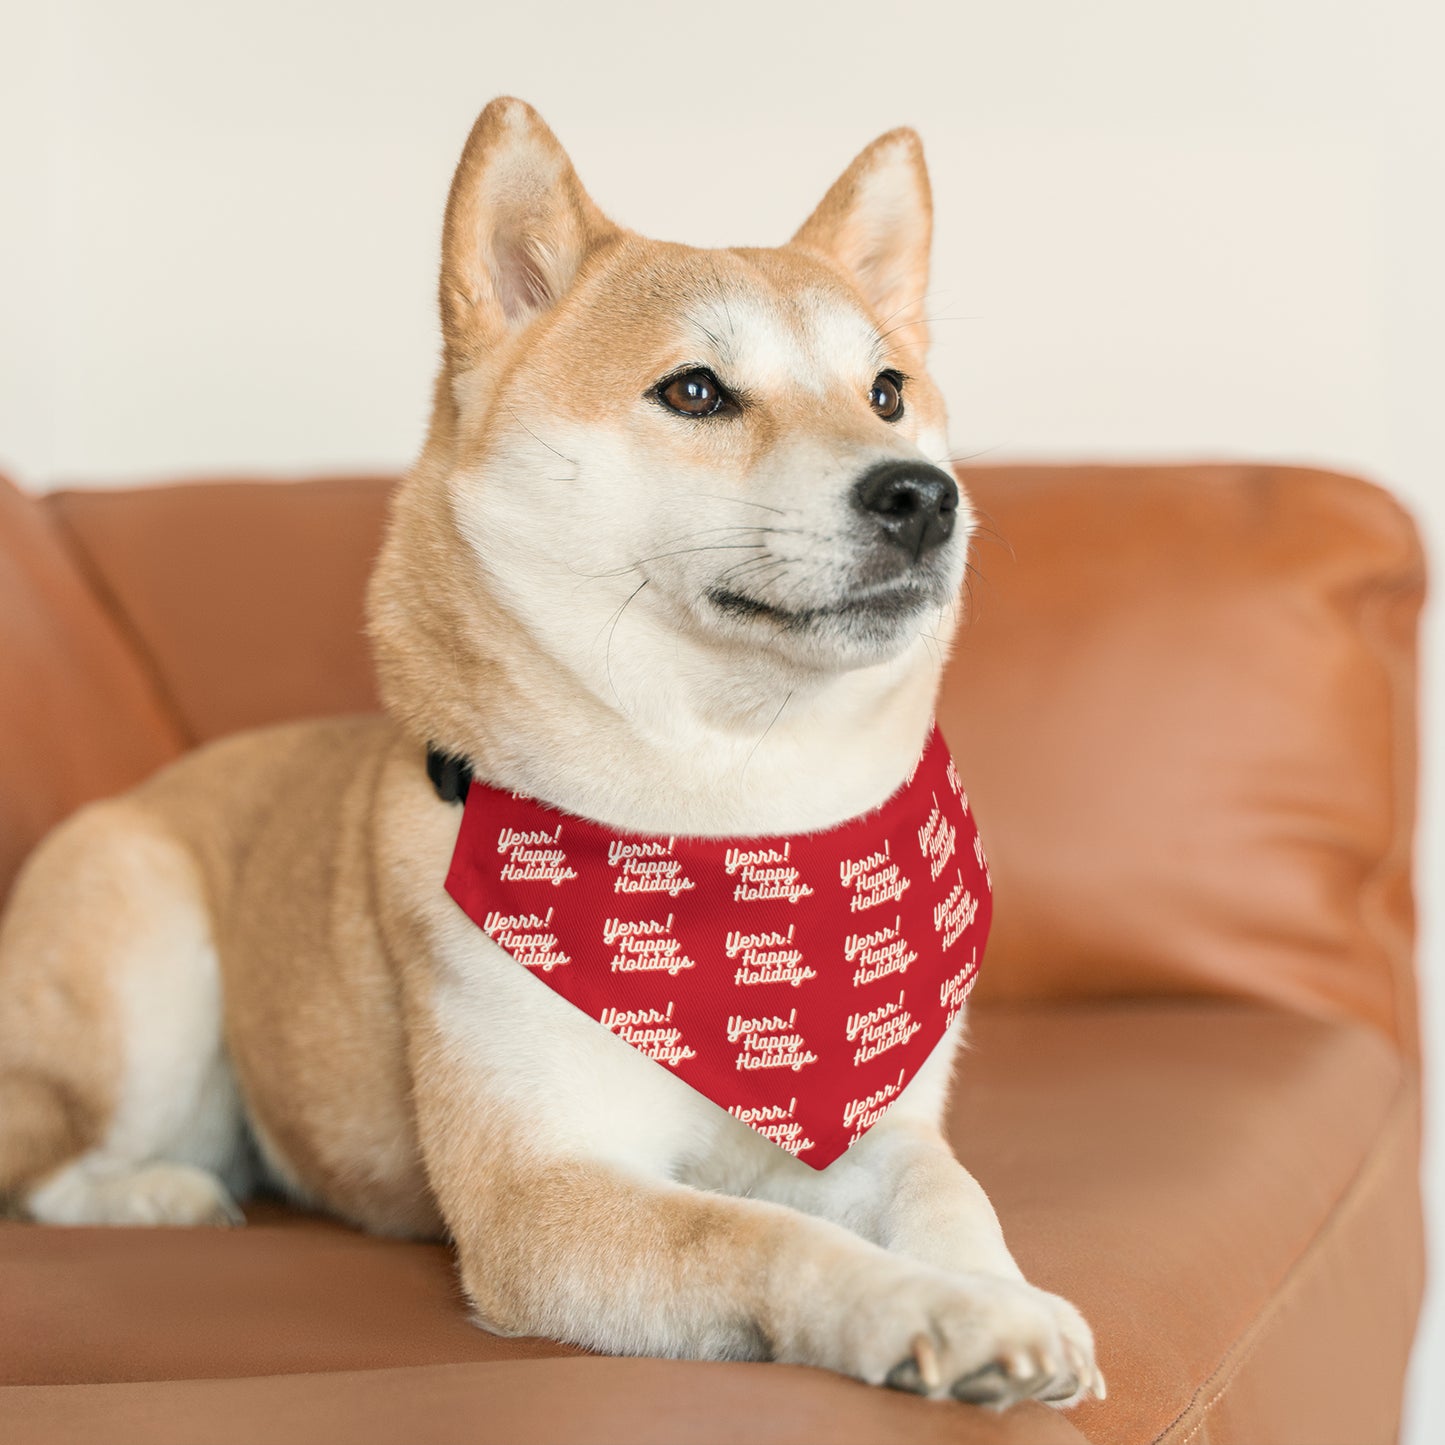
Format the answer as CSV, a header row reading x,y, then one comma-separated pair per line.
x,y
1186,704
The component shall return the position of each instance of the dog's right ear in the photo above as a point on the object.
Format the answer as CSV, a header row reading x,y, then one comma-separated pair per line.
x,y
877,223
518,227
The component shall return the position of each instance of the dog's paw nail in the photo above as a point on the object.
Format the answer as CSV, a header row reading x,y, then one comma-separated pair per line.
x,y
1020,1364
927,1357
230,1215
905,1376
1100,1390
988,1386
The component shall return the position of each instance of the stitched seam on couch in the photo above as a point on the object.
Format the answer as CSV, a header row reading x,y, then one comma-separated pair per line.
x,y
1354,1194
125,624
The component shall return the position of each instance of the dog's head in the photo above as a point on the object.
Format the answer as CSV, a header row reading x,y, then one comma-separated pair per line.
x,y
733,453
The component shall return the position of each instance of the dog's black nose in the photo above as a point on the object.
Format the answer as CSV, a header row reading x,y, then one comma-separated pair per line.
x,y
914,504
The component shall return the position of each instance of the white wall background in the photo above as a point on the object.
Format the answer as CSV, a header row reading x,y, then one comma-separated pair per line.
x,y
1168,229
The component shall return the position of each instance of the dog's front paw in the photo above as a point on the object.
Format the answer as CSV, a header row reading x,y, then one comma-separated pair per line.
x,y
976,1337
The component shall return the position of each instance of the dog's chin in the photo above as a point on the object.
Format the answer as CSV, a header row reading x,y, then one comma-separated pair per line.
x,y
867,625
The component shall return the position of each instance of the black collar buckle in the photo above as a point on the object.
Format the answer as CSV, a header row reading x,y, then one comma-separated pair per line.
x,y
450,775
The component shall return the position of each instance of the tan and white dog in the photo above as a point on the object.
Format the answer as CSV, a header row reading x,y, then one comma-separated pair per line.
x,y
675,556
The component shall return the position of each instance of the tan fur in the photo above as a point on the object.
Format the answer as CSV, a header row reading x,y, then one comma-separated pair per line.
x,y
87,888
395,1067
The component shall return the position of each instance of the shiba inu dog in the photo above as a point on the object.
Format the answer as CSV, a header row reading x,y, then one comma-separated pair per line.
x,y
677,555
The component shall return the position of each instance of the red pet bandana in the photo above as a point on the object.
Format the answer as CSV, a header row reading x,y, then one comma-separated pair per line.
x,y
798,982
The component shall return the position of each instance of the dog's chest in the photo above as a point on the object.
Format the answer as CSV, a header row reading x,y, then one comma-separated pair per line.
x,y
794,983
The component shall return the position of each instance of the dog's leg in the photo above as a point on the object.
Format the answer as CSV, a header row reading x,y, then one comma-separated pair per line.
x,y
615,1259
900,1185
901,1188
116,1104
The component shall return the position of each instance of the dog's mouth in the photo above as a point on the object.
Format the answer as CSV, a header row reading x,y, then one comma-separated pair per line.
x,y
888,603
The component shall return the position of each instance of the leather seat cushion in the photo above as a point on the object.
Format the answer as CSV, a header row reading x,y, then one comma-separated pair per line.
x,y
1225,1190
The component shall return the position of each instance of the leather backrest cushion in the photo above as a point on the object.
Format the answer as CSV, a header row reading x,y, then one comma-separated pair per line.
x,y
1184,708
1183,705
79,716
247,595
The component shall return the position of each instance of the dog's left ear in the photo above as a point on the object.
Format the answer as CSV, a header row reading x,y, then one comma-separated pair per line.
x,y
877,223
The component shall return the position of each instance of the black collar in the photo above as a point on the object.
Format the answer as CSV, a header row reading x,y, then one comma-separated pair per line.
x,y
450,775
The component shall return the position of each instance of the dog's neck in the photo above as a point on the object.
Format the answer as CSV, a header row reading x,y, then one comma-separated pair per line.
x,y
697,749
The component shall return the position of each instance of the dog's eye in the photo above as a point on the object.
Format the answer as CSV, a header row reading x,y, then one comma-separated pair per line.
x,y
886,398
694,393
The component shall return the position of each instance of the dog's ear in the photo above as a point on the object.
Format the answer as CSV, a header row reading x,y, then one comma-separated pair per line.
x,y
877,223
518,227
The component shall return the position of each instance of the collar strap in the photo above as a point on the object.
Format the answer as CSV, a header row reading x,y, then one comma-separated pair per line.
x,y
450,775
